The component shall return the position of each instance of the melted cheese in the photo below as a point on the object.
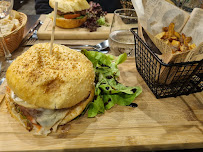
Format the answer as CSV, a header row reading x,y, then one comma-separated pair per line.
x,y
48,117
19,101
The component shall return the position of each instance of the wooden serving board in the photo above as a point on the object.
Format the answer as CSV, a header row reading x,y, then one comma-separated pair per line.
x,y
102,32
172,123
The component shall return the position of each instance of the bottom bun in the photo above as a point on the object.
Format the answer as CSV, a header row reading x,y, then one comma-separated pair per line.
x,y
70,23
77,109
72,113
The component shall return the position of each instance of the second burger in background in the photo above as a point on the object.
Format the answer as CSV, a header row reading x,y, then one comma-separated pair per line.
x,y
70,13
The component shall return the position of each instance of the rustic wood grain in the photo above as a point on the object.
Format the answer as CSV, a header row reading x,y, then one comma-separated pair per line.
x,y
156,124
172,123
102,32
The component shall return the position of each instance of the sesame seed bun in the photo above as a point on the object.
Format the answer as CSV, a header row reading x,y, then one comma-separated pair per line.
x,y
56,81
66,6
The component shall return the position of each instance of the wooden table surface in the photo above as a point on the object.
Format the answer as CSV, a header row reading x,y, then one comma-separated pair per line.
x,y
156,124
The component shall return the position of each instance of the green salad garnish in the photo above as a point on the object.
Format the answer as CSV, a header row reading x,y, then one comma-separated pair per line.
x,y
102,21
108,91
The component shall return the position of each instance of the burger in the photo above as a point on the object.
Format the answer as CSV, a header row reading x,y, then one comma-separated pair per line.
x,y
70,13
47,91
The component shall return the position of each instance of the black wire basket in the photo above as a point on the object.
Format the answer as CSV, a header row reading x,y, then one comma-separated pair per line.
x,y
166,80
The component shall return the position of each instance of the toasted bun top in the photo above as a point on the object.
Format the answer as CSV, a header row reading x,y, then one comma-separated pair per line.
x,y
66,6
56,81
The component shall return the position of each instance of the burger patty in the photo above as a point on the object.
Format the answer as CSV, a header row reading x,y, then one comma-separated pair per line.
x,y
83,12
27,112
24,113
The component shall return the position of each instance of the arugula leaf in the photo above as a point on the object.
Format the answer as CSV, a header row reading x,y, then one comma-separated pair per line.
x,y
108,91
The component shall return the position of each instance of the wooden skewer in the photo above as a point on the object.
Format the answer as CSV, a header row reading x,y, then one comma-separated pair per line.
x,y
53,28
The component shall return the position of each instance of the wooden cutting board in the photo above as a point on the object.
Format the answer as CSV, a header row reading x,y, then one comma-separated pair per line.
x,y
102,32
172,123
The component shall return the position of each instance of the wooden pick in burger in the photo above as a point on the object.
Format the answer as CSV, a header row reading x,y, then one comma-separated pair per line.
x,y
53,28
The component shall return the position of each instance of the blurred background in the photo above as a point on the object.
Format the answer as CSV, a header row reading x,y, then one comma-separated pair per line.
x,y
188,5
25,6
28,6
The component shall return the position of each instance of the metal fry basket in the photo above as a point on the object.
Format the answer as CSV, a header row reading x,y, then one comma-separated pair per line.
x,y
166,80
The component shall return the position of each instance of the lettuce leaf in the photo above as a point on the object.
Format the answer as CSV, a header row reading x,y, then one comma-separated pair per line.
x,y
102,21
80,17
108,91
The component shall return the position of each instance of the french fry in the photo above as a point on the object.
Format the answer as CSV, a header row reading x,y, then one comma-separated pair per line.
x,y
178,42
183,38
165,29
175,44
192,46
183,48
166,36
171,30
160,35
187,40
177,35
173,38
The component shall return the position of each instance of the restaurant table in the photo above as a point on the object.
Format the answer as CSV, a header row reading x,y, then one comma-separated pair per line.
x,y
156,124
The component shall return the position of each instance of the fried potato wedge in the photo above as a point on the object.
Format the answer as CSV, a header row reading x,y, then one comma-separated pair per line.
x,y
175,43
178,41
160,35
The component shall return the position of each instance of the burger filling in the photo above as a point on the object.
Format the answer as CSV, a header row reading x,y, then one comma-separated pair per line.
x,y
72,15
43,120
40,118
